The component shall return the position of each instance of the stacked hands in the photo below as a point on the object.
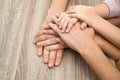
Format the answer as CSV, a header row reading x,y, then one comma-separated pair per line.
x,y
66,30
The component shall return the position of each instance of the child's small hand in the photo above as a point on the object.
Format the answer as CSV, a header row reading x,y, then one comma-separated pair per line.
x,y
87,14
65,22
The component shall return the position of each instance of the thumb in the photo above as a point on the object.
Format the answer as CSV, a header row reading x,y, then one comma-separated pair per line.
x,y
55,28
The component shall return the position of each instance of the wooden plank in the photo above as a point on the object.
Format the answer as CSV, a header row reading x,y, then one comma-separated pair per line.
x,y
19,21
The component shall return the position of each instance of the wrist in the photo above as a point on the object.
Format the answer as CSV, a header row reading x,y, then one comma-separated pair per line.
x,y
52,11
95,21
87,47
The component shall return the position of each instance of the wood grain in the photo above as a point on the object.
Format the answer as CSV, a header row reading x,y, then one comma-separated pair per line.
x,y
19,21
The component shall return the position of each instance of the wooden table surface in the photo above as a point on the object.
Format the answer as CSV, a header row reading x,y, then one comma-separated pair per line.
x,y
19,21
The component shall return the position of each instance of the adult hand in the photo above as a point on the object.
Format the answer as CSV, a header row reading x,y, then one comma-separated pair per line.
x,y
76,38
50,40
45,23
85,13
51,57
53,47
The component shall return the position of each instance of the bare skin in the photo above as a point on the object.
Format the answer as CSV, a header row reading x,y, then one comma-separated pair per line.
x,y
106,46
98,23
57,58
87,48
52,58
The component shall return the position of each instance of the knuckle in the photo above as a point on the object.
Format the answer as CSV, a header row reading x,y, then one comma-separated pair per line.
x,y
52,55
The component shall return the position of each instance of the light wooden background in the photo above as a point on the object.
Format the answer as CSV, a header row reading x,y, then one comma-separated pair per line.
x,y
19,21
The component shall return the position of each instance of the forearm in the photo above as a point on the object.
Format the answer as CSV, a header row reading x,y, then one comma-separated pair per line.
x,y
102,10
107,47
107,30
57,6
98,61
115,21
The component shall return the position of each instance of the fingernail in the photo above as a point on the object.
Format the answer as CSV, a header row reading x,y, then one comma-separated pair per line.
x,y
39,54
57,63
38,44
50,65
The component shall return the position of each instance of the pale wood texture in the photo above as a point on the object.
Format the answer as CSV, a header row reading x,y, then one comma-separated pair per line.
x,y
19,21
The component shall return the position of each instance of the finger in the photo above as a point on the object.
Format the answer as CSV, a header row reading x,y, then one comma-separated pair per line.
x,y
55,28
55,47
46,56
83,26
39,51
55,20
39,33
46,26
61,16
65,24
71,23
63,20
48,42
50,31
43,37
59,57
52,59
73,15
